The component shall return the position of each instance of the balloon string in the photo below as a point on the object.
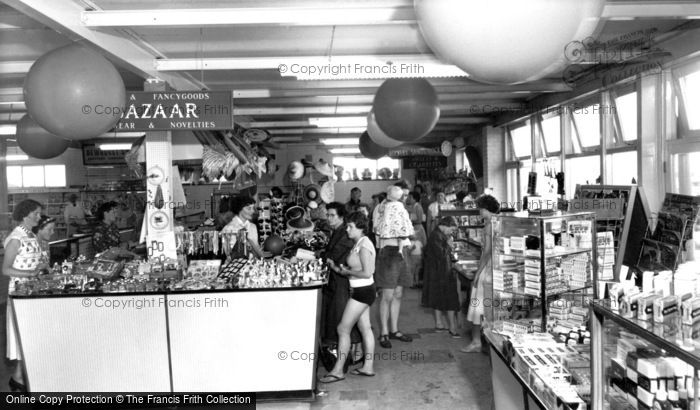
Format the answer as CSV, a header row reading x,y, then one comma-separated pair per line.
x,y
330,49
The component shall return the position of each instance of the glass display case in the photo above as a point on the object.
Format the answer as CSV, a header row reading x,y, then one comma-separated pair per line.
x,y
544,268
639,361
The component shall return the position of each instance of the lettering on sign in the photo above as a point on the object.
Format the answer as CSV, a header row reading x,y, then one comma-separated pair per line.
x,y
426,162
162,111
95,156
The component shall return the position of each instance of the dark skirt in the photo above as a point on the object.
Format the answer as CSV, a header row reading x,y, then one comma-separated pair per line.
x,y
335,297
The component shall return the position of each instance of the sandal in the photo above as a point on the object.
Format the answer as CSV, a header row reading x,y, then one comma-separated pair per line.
x,y
384,341
398,335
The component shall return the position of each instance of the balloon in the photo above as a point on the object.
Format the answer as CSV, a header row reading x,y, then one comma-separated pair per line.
x,y
369,149
406,109
274,244
74,93
506,41
377,135
37,142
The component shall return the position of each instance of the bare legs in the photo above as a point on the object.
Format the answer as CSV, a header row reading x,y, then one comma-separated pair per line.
x,y
440,320
355,312
389,309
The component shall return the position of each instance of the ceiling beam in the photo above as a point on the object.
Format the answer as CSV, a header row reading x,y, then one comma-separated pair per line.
x,y
15,67
295,124
480,108
65,18
306,16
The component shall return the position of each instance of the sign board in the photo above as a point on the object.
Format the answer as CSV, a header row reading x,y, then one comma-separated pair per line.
x,y
410,151
424,161
177,110
92,155
604,208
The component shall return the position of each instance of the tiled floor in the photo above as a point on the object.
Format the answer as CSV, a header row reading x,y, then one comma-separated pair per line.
x,y
430,372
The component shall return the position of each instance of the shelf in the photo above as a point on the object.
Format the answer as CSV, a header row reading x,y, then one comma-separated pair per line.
x,y
517,292
660,335
546,256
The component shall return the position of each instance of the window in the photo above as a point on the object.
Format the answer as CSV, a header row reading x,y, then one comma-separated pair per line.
x,y
587,125
581,170
626,109
520,138
356,166
36,176
552,134
621,168
690,89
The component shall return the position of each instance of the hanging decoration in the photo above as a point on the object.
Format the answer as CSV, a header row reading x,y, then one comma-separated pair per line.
x,y
37,142
74,93
505,41
406,109
369,149
377,135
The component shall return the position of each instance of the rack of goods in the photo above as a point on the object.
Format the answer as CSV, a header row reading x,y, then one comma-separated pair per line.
x,y
544,268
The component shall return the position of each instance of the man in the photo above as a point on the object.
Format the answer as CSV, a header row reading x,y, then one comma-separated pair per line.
x,y
74,215
393,227
355,195
337,292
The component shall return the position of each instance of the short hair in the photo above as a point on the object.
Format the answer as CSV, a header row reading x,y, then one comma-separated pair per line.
x,y
488,202
25,208
339,208
43,221
359,206
239,202
224,204
402,184
104,208
276,192
360,221
415,188
382,197
415,195
447,221
355,189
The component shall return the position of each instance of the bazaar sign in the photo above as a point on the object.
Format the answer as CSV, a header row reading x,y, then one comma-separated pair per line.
x,y
177,110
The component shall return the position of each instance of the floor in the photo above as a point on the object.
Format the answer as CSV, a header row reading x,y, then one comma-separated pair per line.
x,y
430,372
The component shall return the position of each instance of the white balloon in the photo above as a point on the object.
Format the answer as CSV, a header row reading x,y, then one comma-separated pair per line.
x,y
377,135
506,41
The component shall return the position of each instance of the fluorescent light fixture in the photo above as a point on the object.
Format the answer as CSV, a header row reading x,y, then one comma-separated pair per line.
x,y
261,93
8,129
340,141
318,110
330,131
310,16
15,67
335,122
136,134
114,146
344,150
17,157
286,139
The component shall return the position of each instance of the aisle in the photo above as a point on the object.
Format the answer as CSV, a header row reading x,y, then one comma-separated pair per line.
x,y
430,372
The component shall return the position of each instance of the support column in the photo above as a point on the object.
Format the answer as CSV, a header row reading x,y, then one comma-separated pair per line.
x,y
3,176
494,161
651,132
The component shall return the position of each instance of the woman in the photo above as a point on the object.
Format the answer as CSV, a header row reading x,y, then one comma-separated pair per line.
x,y
21,262
74,215
434,210
415,259
440,286
481,284
360,271
44,230
243,208
107,234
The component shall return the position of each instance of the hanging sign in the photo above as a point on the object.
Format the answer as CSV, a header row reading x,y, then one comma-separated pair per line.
x,y
92,155
413,150
424,161
177,110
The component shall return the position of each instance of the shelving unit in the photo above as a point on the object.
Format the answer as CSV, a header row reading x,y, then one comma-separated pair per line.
x,y
541,258
606,323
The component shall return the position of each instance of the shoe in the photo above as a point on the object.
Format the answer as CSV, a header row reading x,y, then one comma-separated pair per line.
x,y
16,386
440,329
455,335
384,341
330,378
471,349
398,335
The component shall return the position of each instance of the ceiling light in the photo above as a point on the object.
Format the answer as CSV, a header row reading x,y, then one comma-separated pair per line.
x,y
310,16
330,131
17,157
15,67
328,110
137,134
340,141
8,129
114,146
344,150
339,121
286,139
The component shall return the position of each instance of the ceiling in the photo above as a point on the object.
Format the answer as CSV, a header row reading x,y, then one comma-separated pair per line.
x,y
180,51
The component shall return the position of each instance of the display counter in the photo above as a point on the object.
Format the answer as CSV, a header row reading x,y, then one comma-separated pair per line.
x,y
238,340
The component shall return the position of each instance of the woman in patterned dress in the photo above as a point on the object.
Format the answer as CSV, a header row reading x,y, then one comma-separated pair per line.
x,y
22,261
107,234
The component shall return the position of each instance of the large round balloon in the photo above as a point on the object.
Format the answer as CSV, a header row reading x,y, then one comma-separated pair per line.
x,y
274,244
37,142
369,149
74,93
406,109
506,41
377,135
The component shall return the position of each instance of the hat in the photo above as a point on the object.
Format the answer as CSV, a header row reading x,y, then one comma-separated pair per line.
x,y
324,168
255,135
300,224
295,170
294,212
312,192
328,192
394,193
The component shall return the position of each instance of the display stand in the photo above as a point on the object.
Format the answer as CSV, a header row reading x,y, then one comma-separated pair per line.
x,y
611,204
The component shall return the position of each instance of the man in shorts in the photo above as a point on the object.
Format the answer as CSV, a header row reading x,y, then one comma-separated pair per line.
x,y
393,227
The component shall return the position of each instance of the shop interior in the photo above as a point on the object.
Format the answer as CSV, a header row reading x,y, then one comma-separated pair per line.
x,y
580,118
